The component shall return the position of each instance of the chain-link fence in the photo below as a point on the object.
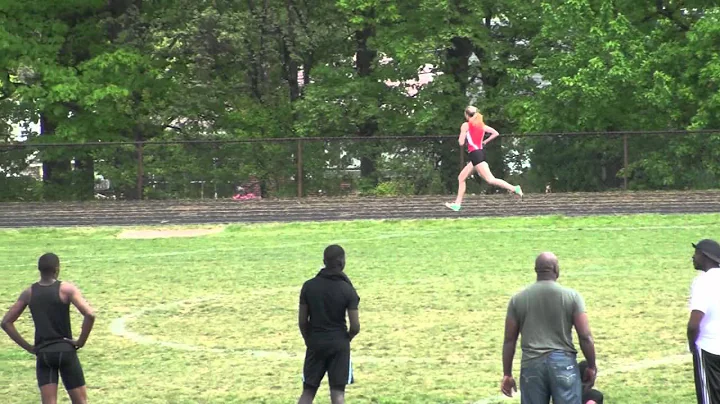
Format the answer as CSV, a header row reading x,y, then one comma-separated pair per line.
x,y
253,168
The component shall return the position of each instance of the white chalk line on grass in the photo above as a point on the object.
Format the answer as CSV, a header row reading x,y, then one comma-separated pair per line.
x,y
631,367
119,328
235,248
82,259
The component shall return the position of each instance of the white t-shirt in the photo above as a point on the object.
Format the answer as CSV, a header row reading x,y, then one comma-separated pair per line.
x,y
705,297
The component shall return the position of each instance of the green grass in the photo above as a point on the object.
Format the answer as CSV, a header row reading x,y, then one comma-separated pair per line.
x,y
433,299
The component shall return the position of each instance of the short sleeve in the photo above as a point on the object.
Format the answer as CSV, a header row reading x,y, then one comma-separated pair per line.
x,y
511,311
578,304
303,295
353,300
700,296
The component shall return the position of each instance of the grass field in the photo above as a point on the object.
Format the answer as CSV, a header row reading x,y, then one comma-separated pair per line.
x,y
213,319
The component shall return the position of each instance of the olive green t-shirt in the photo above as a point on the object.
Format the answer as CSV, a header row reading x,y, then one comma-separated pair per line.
x,y
544,313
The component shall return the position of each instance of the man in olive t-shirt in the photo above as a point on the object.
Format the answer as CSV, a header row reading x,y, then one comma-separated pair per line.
x,y
545,313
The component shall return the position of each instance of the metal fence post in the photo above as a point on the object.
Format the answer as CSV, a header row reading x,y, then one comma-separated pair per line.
x,y
140,170
625,161
299,169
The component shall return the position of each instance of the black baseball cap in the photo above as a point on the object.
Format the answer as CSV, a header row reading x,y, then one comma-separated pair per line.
x,y
709,248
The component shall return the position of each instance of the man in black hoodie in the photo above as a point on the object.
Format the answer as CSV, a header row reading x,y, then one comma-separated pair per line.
x,y
324,300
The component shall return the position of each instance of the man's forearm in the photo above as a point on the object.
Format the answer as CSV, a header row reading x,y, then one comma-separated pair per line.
x,y
304,330
353,332
13,333
507,355
587,345
87,326
692,335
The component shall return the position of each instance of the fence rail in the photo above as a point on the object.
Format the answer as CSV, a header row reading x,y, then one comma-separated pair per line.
x,y
40,144
220,155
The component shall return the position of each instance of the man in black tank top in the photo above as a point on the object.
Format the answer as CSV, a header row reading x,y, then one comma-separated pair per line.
x,y
49,301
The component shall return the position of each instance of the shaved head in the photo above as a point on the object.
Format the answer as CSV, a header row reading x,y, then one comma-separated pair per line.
x,y
547,263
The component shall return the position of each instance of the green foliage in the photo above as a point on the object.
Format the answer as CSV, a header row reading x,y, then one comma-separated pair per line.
x,y
391,188
617,68
20,189
93,71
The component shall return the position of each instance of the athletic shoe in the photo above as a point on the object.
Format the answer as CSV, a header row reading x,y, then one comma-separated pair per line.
x,y
453,206
518,191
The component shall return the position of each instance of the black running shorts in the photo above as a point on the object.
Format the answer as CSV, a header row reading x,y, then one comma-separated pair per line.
x,y
477,157
333,359
66,363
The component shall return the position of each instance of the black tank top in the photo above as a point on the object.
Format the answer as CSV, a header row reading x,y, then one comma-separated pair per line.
x,y
51,317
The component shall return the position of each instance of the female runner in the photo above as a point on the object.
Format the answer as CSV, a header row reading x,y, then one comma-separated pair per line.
x,y
473,132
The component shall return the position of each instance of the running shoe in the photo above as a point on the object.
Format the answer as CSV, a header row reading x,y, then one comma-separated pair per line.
x,y
453,206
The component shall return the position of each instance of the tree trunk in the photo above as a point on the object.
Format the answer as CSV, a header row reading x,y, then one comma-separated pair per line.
x,y
117,9
84,176
308,63
56,170
363,65
291,68
457,64
490,79
140,174
458,61
60,181
287,45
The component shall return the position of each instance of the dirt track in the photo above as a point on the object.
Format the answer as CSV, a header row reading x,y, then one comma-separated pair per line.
x,y
318,209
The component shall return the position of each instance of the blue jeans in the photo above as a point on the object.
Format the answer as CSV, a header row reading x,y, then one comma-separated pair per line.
x,y
554,375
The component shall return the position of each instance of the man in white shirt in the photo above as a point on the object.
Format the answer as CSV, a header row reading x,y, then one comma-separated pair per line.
x,y
703,329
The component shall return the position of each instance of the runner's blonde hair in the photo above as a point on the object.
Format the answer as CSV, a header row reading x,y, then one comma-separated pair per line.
x,y
474,116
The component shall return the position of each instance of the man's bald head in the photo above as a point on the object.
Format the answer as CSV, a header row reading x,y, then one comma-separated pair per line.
x,y
547,263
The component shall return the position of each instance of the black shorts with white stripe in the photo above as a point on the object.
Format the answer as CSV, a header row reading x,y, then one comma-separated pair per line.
x,y
331,358
707,377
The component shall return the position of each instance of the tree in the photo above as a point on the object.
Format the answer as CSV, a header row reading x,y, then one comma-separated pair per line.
x,y
613,69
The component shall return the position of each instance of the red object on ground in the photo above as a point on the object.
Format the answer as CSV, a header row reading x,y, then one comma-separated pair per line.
x,y
246,197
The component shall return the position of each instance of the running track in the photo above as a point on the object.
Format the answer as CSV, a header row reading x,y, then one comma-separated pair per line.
x,y
127,213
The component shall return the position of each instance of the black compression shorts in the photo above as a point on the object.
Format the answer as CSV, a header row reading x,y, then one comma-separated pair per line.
x,y
477,157
67,363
